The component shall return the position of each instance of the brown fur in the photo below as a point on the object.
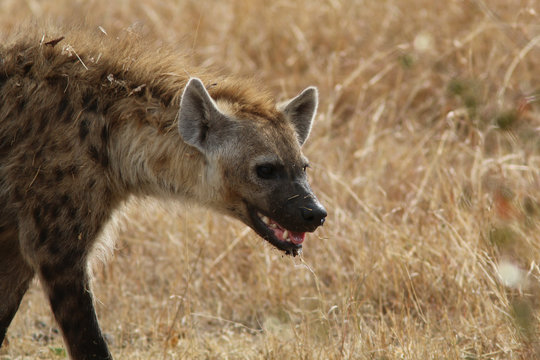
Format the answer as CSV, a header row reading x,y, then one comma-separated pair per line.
x,y
85,122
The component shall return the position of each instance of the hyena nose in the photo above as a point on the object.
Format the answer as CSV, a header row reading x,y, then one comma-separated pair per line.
x,y
314,215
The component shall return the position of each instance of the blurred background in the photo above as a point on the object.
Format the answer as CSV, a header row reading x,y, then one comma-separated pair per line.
x,y
425,151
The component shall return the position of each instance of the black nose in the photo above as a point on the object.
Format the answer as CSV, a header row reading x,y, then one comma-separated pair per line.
x,y
314,215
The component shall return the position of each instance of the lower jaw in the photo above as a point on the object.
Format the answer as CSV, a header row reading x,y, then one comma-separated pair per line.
x,y
288,247
266,233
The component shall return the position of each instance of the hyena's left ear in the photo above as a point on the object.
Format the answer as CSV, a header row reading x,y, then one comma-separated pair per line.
x,y
199,117
301,110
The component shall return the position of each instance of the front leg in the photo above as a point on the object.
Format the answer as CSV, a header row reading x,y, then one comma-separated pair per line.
x,y
15,276
67,285
59,251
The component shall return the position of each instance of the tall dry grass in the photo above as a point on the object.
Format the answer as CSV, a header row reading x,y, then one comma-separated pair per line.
x,y
426,152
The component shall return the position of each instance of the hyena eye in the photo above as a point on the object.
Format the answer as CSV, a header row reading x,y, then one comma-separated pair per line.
x,y
266,171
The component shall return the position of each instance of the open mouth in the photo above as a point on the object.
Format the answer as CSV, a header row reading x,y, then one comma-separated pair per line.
x,y
281,233
277,235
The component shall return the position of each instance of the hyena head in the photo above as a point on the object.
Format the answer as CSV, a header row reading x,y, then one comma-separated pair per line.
x,y
255,163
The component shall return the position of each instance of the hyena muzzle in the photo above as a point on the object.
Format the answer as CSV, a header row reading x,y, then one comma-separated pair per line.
x,y
77,141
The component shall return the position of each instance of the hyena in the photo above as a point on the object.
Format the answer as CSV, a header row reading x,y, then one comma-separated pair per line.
x,y
88,121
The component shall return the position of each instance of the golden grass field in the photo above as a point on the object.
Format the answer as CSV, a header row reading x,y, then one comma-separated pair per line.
x,y
425,151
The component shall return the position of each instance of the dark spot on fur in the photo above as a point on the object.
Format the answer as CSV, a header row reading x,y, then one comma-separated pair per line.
x,y
62,106
105,134
21,105
53,80
77,230
43,235
4,142
104,158
99,156
73,170
54,147
105,107
65,111
56,233
37,215
29,193
91,184
53,248
94,153
29,126
64,200
58,174
22,132
55,211
17,195
27,67
72,212
46,208
44,121
83,129
90,102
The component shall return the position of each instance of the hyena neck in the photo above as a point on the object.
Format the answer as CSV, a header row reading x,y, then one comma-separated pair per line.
x,y
149,158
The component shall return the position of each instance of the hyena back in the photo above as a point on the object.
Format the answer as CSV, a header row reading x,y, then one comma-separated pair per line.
x,y
86,123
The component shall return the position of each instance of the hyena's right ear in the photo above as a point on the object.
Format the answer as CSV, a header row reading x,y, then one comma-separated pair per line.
x,y
198,116
300,111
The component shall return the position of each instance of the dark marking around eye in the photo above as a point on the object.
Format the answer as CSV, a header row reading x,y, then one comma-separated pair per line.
x,y
266,171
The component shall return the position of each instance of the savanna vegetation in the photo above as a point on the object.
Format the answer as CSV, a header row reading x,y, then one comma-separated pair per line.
x,y
425,151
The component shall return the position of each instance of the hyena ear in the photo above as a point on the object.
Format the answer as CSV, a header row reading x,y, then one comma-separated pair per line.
x,y
301,110
198,115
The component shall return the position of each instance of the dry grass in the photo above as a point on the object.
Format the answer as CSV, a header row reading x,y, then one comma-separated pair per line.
x,y
426,152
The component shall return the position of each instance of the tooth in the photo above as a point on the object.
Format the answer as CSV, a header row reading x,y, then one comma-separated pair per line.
x,y
265,220
286,235
273,226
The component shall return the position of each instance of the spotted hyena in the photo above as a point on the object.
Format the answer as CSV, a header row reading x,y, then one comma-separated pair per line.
x,y
88,121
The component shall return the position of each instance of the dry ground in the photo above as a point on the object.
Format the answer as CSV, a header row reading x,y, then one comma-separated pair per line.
x,y
426,152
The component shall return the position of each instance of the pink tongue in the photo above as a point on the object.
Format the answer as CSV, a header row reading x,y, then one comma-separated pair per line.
x,y
297,238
